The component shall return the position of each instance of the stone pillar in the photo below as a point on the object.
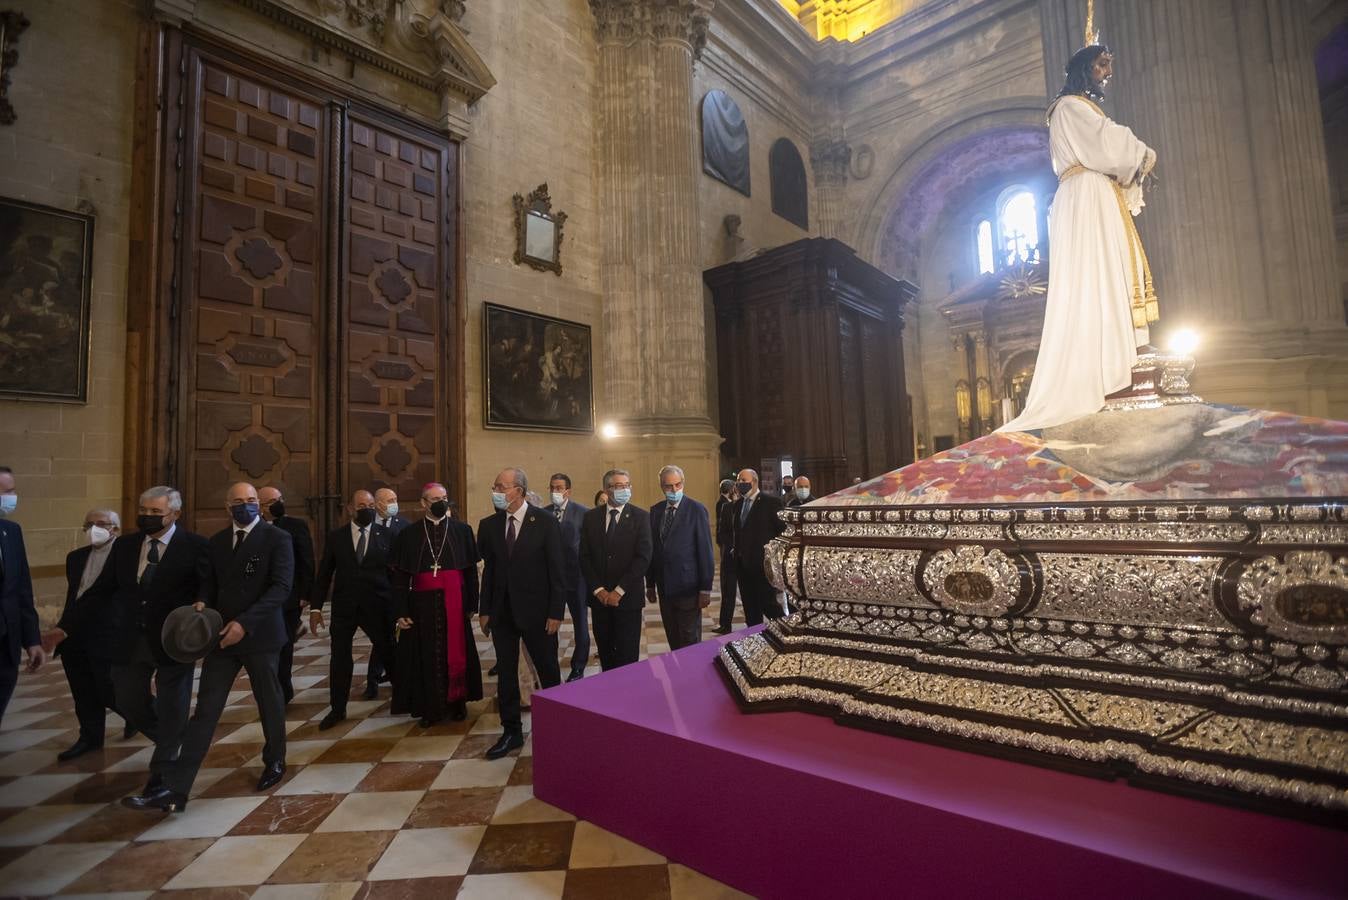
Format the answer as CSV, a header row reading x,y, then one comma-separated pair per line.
x,y
1239,229
653,347
829,158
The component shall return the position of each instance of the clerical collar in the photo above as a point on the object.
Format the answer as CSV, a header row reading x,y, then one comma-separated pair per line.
x,y
435,521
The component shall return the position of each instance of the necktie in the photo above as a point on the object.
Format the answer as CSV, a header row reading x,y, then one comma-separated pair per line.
x,y
238,537
744,511
360,548
510,535
668,521
612,520
151,562
559,514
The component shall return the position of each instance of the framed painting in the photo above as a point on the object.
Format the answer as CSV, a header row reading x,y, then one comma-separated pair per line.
x,y
44,302
539,372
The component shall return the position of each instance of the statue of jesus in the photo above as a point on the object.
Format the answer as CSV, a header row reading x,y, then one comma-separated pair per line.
x,y
1100,296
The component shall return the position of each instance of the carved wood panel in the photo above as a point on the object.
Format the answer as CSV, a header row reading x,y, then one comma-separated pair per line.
x,y
254,243
397,267
307,300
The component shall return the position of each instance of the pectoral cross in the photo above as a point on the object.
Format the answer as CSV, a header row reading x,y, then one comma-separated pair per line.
x,y
435,568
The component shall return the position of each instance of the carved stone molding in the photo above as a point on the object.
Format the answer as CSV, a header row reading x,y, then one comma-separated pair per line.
x,y
12,24
628,21
830,160
416,41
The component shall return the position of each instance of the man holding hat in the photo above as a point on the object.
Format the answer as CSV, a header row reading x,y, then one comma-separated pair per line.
x,y
246,580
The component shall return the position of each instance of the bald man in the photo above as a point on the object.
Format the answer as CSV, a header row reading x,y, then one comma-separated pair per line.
x,y
388,515
247,578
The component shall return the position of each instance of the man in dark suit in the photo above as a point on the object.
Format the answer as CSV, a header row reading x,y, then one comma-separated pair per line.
x,y
387,516
682,565
569,515
18,616
725,532
83,635
523,595
246,578
615,551
151,572
357,554
274,511
755,522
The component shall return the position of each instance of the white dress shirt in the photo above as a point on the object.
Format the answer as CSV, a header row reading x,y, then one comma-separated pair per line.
x,y
163,540
355,536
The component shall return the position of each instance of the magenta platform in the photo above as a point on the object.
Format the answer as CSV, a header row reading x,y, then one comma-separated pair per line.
x,y
793,805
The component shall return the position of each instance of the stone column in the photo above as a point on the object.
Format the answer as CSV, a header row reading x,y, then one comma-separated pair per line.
x,y
1239,229
654,347
829,158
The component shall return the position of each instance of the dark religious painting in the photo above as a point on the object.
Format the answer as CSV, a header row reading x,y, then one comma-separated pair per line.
x,y
790,193
44,302
725,141
538,371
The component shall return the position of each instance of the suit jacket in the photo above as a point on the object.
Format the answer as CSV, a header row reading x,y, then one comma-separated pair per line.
x,y
725,529
303,546
250,585
141,608
90,623
532,579
682,564
795,501
395,525
18,616
572,517
753,535
358,583
619,559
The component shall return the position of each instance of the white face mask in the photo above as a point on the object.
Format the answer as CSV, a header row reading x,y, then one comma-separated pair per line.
x,y
99,536
558,499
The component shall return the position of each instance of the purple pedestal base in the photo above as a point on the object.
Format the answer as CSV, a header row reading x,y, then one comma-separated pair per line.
x,y
793,805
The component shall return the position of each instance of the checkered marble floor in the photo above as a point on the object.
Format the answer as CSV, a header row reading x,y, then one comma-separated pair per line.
x,y
374,807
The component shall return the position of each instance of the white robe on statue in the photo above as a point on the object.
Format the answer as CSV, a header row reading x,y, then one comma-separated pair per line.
x,y
1089,343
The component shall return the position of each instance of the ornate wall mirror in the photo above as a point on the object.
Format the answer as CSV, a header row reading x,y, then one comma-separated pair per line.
x,y
538,231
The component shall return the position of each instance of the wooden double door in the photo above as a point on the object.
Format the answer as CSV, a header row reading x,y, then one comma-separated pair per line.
x,y
306,324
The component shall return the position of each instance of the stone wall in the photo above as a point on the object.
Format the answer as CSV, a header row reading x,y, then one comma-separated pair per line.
x,y
70,148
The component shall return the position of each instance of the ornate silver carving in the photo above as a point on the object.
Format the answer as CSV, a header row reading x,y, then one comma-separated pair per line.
x,y
1302,597
1154,590
1158,532
972,579
865,575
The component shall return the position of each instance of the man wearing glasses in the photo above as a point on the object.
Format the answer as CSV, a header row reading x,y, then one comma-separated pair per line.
x,y
615,551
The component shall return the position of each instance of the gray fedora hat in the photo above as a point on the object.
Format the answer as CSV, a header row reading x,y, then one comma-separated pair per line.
x,y
189,635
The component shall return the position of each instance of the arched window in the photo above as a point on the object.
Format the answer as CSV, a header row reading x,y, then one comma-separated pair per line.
x,y
1018,224
786,177
986,258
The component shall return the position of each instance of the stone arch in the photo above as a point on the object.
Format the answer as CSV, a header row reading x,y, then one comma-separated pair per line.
x,y
1014,127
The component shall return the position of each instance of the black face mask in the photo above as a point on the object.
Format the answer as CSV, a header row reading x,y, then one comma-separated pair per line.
x,y
277,509
744,487
365,517
150,524
439,508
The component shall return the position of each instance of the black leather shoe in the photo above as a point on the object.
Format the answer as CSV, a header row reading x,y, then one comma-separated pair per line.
x,y
510,740
427,721
155,783
79,748
371,690
576,675
128,731
331,719
458,711
491,671
720,629
271,775
162,798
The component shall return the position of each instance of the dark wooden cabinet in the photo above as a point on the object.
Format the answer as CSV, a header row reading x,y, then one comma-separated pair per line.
x,y
809,343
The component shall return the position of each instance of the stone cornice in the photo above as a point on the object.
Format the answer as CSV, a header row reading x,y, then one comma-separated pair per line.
x,y
420,42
